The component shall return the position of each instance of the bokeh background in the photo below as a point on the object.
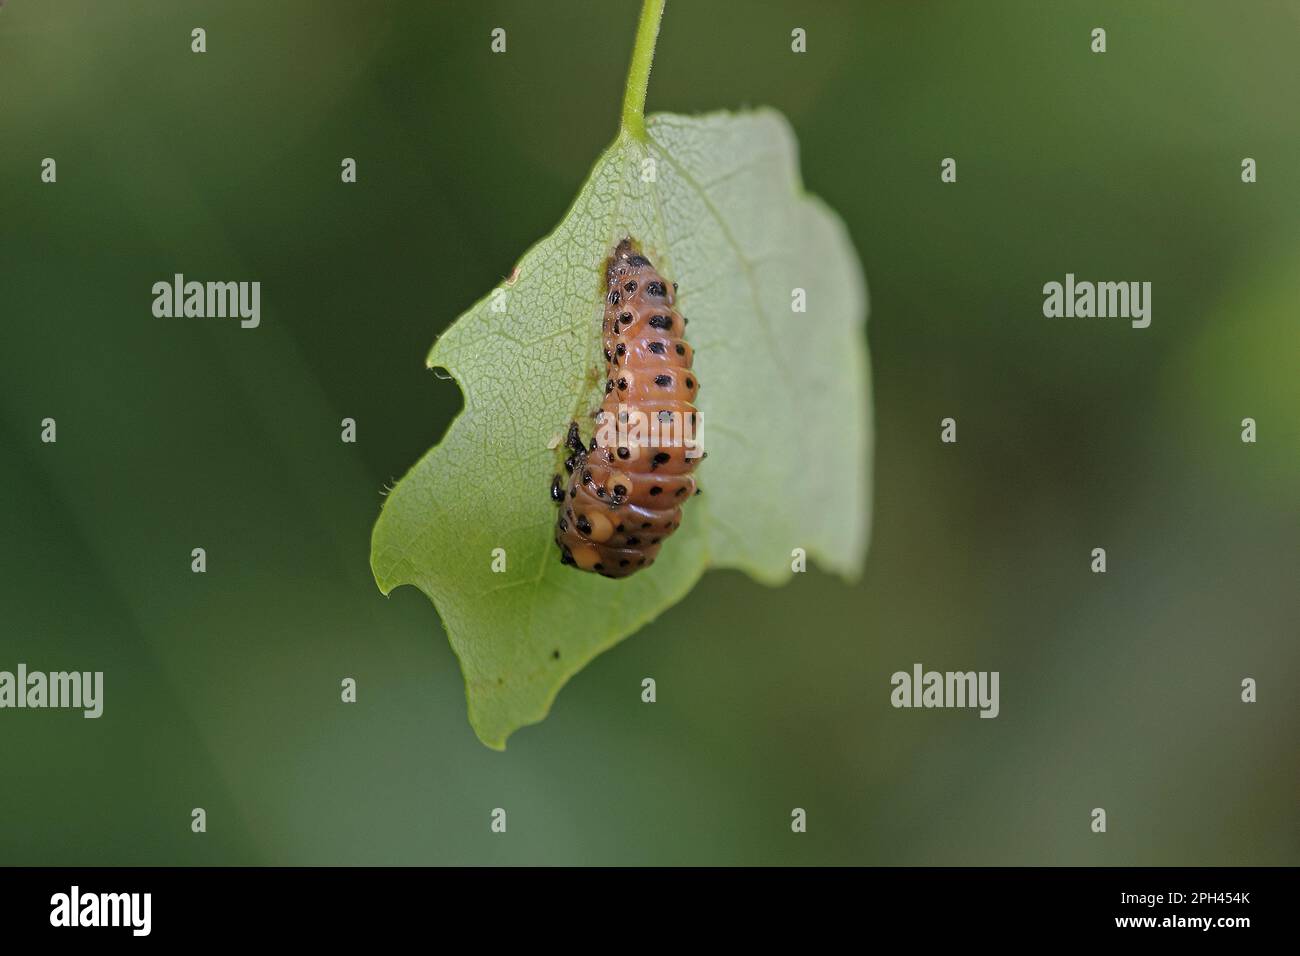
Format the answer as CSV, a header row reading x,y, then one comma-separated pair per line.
x,y
222,690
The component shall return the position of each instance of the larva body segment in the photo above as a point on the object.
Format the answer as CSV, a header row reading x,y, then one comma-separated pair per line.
x,y
625,493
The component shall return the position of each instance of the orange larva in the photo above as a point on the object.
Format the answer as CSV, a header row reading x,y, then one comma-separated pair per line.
x,y
623,500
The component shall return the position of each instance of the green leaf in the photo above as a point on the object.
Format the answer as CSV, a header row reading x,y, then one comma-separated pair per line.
x,y
784,404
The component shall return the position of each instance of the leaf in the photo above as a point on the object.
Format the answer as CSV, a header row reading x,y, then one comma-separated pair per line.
x,y
783,399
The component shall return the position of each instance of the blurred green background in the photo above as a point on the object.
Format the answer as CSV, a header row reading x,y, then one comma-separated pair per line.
x,y
222,690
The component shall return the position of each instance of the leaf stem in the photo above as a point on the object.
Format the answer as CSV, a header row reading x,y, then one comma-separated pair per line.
x,y
638,74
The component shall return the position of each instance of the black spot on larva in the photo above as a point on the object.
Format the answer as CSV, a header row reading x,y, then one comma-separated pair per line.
x,y
662,457
660,322
557,490
568,465
615,298
620,490
598,566
655,288
641,562
622,349
593,443
623,453
690,382
633,541
608,357
566,557
555,654
624,563
564,525
630,285
573,492
637,261
654,540
619,529
645,524
622,383
658,348
573,439
626,318
586,477
663,381
680,492
600,492
656,490
584,525
681,349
